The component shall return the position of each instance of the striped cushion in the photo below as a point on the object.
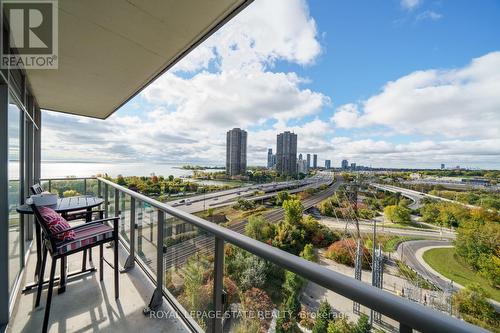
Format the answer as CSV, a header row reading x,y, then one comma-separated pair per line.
x,y
56,223
86,235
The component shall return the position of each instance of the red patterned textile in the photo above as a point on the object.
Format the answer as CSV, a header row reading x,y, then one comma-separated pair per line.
x,y
56,223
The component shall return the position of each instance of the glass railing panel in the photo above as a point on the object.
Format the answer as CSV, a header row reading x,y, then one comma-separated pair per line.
x,y
189,269
111,201
14,232
91,187
45,186
145,234
254,291
67,187
125,211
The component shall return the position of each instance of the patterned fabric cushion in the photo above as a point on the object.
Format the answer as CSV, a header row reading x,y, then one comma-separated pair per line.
x,y
56,223
86,235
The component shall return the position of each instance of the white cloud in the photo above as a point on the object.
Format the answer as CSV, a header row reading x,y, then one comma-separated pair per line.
x,y
429,15
230,85
425,153
410,4
454,103
263,33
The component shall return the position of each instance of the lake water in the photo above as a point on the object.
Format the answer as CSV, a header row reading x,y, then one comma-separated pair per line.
x,y
79,169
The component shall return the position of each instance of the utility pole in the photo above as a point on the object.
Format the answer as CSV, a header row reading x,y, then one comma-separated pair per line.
x,y
374,267
357,271
353,197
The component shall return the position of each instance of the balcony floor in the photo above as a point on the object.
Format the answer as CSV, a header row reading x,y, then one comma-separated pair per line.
x,y
88,305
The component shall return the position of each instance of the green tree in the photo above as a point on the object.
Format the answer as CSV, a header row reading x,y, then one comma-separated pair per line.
x,y
289,233
281,197
259,228
293,211
288,238
363,325
471,302
397,214
193,282
323,316
489,267
293,283
477,238
341,325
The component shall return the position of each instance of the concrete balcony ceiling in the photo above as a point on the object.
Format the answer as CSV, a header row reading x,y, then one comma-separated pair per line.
x,y
110,50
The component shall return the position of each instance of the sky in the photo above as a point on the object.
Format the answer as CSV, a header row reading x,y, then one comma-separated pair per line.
x,y
393,83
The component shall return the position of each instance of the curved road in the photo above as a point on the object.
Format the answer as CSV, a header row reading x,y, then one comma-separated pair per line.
x,y
407,252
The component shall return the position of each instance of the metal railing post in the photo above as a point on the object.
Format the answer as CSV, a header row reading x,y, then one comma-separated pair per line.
x,y
84,186
218,285
130,263
99,188
157,298
50,185
117,202
106,200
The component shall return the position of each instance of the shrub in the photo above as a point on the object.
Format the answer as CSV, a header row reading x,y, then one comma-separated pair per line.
x,y
308,253
243,204
257,302
324,237
344,252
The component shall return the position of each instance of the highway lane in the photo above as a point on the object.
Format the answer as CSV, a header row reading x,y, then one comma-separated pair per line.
x,y
415,197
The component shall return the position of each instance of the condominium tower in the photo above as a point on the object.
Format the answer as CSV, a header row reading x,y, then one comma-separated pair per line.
x,y
270,158
286,153
236,152
315,161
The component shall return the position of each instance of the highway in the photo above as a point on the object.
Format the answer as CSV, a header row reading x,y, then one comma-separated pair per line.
x,y
368,228
178,254
415,195
202,202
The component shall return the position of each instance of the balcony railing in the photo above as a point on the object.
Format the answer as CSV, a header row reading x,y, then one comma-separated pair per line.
x,y
175,248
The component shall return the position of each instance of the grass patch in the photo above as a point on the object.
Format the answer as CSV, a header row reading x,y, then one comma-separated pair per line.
x,y
388,243
235,215
392,243
406,226
447,262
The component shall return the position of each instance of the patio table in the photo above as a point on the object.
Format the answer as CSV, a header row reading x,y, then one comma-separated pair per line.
x,y
63,207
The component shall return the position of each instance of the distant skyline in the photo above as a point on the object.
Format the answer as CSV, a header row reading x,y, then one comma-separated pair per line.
x,y
386,84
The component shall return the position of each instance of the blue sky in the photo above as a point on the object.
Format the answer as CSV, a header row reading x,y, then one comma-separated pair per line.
x,y
411,83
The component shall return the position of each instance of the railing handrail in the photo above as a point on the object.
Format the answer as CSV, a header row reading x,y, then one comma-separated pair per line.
x,y
407,313
68,178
